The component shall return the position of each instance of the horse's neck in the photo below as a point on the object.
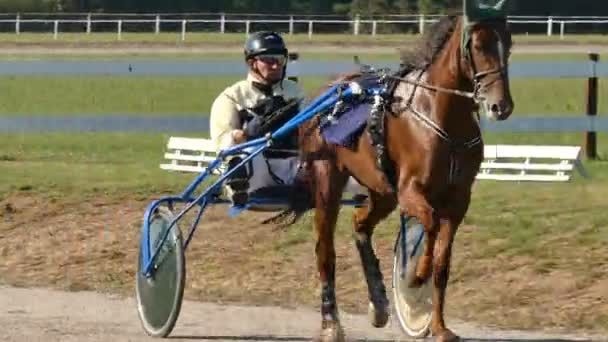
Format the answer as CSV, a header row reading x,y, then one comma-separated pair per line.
x,y
452,112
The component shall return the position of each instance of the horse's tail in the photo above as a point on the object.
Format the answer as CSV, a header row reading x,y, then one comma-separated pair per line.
x,y
300,200
285,218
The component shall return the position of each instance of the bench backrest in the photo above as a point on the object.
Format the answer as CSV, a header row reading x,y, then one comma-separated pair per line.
x,y
189,154
530,163
501,162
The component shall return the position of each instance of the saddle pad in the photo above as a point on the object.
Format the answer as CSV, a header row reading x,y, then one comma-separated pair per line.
x,y
347,129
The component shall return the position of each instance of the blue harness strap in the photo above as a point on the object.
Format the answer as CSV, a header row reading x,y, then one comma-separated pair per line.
x,y
346,128
346,122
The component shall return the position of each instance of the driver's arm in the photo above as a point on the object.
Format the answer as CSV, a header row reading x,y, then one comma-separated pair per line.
x,y
224,123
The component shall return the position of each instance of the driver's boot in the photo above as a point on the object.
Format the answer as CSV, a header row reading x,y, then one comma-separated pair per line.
x,y
238,183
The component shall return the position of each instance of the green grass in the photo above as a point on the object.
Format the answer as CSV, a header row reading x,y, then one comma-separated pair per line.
x,y
236,55
237,38
121,162
86,164
105,94
128,162
74,95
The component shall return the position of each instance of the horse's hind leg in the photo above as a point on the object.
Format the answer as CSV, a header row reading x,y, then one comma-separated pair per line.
x,y
329,184
364,221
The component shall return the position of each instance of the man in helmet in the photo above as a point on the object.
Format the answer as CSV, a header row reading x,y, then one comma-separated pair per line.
x,y
248,109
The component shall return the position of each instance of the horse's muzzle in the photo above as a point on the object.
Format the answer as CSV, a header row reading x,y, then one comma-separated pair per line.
x,y
499,110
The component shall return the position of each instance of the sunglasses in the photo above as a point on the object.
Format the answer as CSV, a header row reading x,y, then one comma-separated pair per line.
x,y
272,59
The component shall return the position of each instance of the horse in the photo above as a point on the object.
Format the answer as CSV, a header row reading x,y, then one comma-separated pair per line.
x,y
432,149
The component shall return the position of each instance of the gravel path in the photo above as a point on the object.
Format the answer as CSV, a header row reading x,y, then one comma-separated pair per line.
x,y
48,315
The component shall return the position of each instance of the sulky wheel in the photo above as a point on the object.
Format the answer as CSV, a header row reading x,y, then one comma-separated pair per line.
x,y
412,306
159,297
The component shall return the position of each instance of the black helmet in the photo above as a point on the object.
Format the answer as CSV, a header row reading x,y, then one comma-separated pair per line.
x,y
264,42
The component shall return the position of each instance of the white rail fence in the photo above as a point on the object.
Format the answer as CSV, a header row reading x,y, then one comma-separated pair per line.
x,y
355,25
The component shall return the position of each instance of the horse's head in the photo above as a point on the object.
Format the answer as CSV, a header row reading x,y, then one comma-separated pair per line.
x,y
486,46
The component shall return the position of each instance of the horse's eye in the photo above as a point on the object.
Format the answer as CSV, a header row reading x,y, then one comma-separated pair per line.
x,y
487,45
481,46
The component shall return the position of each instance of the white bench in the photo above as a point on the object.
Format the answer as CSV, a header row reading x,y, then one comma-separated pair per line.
x,y
501,162
189,154
540,163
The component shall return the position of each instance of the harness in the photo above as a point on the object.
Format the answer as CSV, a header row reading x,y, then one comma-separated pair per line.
x,y
384,98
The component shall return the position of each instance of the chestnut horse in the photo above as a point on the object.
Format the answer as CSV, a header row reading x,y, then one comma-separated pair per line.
x,y
432,139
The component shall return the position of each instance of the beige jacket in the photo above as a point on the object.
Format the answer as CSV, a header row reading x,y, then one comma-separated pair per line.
x,y
224,111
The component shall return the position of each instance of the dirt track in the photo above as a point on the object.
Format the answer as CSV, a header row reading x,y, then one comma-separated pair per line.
x,y
45,315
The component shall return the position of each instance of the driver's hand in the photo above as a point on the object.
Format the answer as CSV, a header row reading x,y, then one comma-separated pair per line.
x,y
239,136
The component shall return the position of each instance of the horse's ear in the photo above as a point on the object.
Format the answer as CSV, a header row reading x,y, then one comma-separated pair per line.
x,y
477,10
502,6
469,9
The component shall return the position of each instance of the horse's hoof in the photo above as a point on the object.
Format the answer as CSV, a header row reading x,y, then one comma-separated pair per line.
x,y
447,336
378,316
415,282
332,332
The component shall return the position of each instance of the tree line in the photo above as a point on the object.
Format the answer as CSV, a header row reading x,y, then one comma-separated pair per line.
x,y
300,7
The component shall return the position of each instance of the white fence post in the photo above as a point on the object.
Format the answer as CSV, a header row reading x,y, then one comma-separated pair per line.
x,y
310,29
55,29
184,22
291,24
89,23
355,22
421,24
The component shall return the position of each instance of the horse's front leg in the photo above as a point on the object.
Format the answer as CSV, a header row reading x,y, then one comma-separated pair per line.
x,y
441,273
364,221
329,184
413,203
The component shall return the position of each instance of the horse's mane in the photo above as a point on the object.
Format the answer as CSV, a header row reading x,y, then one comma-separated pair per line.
x,y
429,46
421,56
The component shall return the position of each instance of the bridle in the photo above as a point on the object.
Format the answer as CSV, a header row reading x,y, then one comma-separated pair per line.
x,y
477,76
501,70
478,86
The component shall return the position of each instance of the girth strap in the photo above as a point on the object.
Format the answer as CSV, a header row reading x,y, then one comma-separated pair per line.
x,y
376,129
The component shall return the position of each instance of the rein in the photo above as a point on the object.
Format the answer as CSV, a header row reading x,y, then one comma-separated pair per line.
x,y
474,95
468,94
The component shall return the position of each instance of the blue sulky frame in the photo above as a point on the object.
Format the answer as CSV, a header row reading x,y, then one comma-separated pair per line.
x,y
209,196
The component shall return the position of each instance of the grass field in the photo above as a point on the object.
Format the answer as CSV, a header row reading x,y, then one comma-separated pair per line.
x,y
75,95
237,38
529,255
237,56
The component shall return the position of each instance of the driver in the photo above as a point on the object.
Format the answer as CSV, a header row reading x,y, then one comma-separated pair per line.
x,y
254,107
